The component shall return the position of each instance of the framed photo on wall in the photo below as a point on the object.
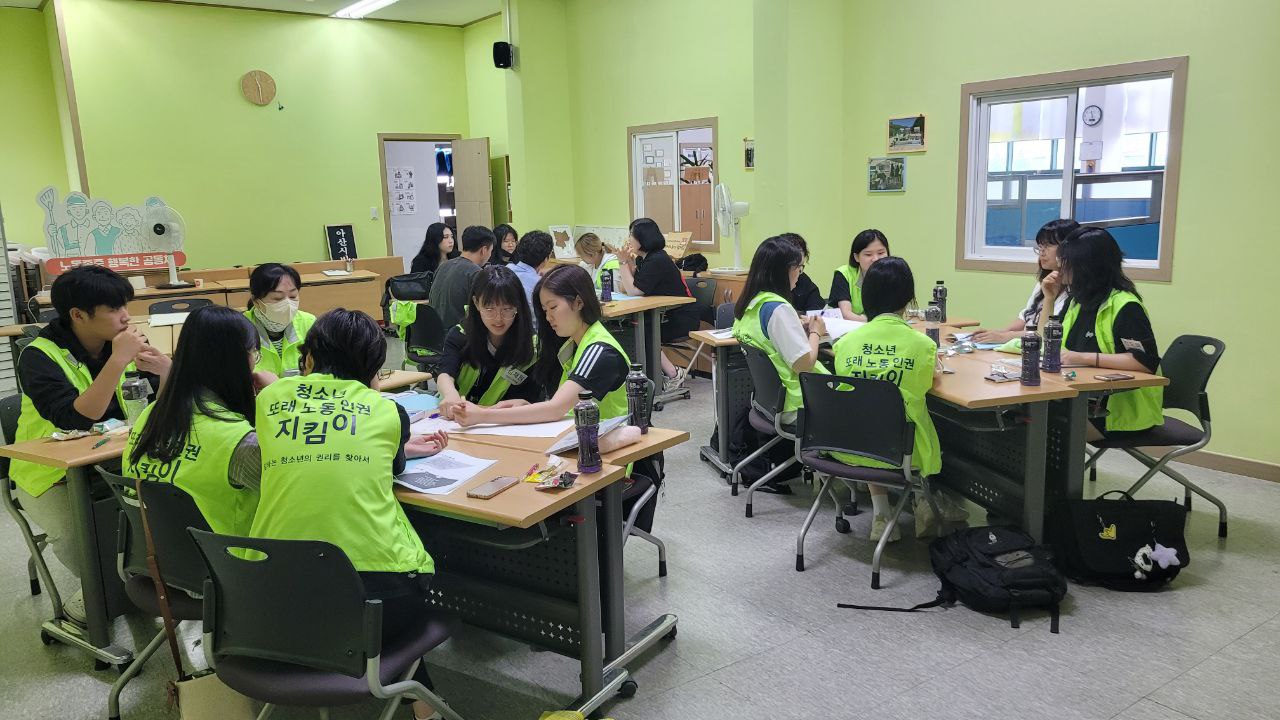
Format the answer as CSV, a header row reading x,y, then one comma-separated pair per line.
x,y
906,134
886,174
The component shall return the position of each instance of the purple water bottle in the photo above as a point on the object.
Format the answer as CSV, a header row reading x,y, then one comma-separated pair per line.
x,y
586,417
638,385
1052,362
606,285
1031,357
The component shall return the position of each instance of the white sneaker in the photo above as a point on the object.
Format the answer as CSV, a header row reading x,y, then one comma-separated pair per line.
x,y
878,525
951,505
73,608
926,520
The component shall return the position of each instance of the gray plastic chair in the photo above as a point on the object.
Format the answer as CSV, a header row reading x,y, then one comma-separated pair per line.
x,y
10,409
170,511
703,291
829,402
292,627
1188,363
767,399
724,316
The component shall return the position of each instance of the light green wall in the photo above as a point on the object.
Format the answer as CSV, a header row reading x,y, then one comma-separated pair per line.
x,y
30,144
486,84
61,97
161,112
653,62
1224,256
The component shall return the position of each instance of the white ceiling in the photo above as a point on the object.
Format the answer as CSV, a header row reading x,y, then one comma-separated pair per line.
x,y
439,12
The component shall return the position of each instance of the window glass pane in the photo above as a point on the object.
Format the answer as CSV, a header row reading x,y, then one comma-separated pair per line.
x,y
1124,115
1135,149
997,157
1029,194
1162,149
1032,155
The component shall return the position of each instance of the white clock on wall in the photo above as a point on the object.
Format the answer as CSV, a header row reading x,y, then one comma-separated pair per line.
x,y
1092,115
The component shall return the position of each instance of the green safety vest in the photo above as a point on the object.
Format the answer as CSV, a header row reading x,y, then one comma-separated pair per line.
x,y
1136,409
850,273
33,478
610,263
201,469
278,363
887,348
615,403
750,331
403,314
468,375
327,449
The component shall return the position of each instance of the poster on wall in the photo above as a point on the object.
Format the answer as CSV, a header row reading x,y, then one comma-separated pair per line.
x,y
886,174
402,190
748,154
80,230
562,242
906,134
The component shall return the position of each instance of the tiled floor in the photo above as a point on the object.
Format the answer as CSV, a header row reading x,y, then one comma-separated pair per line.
x,y
759,640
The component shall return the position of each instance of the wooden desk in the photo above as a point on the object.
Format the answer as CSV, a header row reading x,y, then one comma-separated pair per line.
x,y
142,298
402,379
652,442
321,293
648,331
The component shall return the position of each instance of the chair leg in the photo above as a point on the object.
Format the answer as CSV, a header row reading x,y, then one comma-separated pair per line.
x,y
884,539
35,545
1162,466
135,667
737,469
1092,463
662,549
926,488
766,478
808,521
33,576
267,711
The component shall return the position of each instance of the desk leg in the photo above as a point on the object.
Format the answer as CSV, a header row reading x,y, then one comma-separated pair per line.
x,y
719,455
615,629
91,582
1071,467
642,343
1033,499
592,658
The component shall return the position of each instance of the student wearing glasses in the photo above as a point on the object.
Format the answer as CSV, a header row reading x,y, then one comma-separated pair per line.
x,y
1048,290
488,356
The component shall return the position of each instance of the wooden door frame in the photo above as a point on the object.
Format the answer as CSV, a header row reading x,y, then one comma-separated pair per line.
x,y
382,170
632,131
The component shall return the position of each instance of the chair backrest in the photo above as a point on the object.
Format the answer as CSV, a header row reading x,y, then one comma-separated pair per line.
x,y
768,394
411,286
294,601
132,541
171,511
177,305
10,409
31,332
427,330
703,291
1188,363
881,432
724,315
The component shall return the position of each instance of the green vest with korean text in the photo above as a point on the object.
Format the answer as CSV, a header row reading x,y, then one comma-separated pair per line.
x,y
887,348
1136,409
33,478
201,469
327,449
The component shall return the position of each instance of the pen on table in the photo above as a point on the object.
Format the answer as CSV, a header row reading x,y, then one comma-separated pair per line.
x,y
433,416
100,443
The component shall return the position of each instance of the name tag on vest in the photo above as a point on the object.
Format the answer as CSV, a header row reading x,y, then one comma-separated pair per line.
x,y
513,375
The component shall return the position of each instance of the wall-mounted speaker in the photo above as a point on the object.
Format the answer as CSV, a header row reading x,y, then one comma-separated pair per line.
x,y
502,53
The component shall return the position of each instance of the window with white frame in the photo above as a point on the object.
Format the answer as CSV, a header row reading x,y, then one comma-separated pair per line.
x,y
1098,146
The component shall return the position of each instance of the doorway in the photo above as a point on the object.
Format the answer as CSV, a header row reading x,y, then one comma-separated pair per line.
x,y
671,174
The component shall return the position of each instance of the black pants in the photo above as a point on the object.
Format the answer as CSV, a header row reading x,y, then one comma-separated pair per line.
x,y
404,606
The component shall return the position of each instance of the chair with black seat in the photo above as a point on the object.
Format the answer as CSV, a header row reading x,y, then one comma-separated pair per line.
x,y
287,623
400,298
829,402
704,294
177,305
170,511
424,340
640,501
724,315
765,417
37,570
1188,363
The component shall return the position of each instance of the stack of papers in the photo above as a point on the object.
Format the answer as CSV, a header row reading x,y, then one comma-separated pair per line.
x,y
570,441
441,473
335,273
416,405
623,296
839,327
534,430
166,319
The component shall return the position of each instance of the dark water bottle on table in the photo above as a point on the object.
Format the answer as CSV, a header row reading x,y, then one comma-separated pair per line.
x,y
606,286
933,323
1031,357
638,385
586,417
1052,362
940,299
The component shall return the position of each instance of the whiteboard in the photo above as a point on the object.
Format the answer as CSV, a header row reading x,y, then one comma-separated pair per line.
x,y
409,229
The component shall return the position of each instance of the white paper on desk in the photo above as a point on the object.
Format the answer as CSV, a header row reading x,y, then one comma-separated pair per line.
x,y
623,296
570,441
839,327
724,334
335,273
441,473
166,319
426,426
833,313
534,430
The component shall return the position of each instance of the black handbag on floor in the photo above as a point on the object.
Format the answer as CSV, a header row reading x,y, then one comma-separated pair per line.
x,y
1124,544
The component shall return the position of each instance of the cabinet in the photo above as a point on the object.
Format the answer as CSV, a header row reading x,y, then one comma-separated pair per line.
x,y
695,211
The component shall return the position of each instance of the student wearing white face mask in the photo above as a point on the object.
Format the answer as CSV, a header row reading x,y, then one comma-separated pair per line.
x,y
273,308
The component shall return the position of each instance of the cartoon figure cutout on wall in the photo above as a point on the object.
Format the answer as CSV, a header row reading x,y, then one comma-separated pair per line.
x,y
84,231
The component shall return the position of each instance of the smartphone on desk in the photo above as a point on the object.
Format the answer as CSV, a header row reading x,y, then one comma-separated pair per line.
x,y
484,491
1113,377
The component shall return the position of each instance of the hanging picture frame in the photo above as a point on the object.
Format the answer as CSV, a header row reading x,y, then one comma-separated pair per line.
x,y
906,134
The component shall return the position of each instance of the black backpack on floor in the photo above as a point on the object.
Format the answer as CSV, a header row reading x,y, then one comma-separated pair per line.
x,y
993,570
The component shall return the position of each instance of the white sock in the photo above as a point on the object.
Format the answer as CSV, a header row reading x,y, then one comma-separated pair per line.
x,y
880,504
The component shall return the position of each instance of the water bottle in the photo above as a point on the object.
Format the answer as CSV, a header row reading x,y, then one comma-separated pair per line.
x,y
638,385
932,323
134,390
586,417
1052,362
940,299
1031,357
606,286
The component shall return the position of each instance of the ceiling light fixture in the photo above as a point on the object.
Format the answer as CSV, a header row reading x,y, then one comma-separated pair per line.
x,y
359,9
